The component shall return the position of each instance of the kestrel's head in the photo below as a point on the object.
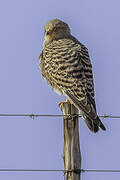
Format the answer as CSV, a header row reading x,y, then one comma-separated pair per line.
x,y
56,29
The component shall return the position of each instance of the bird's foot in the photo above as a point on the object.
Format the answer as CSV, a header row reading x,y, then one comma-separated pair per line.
x,y
61,104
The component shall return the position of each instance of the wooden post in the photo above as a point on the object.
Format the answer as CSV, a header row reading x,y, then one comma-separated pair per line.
x,y
71,149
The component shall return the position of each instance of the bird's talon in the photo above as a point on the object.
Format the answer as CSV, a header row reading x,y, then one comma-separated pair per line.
x,y
61,104
64,102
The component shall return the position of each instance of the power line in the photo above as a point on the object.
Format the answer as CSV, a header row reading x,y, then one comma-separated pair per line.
x,y
54,115
61,170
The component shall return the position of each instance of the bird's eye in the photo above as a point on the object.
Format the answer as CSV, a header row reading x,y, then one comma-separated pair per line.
x,y
47,32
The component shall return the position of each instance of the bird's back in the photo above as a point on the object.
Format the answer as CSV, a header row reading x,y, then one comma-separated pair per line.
x,y
65,63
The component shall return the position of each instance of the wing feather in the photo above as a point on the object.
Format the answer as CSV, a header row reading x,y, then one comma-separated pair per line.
x,y
66,65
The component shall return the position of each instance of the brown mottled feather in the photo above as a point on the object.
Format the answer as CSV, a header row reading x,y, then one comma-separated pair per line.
x,y
65,63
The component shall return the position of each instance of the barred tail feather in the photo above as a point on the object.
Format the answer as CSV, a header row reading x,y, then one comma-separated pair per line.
x,y
93,124
101,125
92,120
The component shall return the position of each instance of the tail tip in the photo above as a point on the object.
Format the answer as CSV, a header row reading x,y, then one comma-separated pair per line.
x,y
102,127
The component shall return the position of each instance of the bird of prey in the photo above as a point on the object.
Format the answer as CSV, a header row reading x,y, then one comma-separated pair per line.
x,y
66,65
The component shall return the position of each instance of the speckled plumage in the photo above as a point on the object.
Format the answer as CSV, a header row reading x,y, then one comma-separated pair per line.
x,y
65,64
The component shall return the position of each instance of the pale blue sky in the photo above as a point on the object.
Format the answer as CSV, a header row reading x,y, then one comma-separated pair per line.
x,y
38,144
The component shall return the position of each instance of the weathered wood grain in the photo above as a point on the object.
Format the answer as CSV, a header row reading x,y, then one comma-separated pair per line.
x,y
71,149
